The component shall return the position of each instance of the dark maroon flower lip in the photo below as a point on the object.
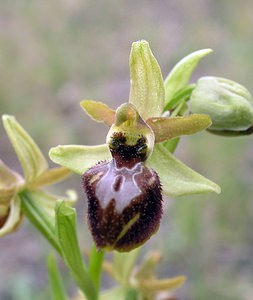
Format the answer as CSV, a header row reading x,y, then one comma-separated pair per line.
x,y
124,204
127,155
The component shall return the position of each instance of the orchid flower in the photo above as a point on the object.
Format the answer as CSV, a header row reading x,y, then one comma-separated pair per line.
x,y
124,179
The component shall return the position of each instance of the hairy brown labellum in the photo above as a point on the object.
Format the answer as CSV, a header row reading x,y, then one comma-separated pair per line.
x,y
124,204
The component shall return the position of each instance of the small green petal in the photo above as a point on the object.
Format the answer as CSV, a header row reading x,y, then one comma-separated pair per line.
x,y
178,179
147,89
14,217
169,128
180,75
98,111
79,158
9,181
50,176
32,160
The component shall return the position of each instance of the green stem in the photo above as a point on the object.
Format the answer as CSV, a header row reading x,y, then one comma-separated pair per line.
x,y
57,287
95,267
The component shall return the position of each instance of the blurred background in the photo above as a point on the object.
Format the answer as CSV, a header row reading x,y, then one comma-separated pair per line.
x,y
55,53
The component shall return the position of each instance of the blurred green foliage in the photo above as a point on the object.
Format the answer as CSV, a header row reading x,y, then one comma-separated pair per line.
x,y
54,53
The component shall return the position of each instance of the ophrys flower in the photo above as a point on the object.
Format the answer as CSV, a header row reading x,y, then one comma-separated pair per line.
x,y
126,175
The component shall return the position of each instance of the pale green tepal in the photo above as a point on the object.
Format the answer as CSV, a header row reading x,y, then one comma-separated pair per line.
x,y
228,103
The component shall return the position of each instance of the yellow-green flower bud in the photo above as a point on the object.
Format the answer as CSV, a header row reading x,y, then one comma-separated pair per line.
x,y
228,103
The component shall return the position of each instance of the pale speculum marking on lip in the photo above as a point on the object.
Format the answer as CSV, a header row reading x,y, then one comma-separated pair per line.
x,y
126,188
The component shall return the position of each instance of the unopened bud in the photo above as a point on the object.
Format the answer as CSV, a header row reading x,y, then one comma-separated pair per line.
x,y
228,103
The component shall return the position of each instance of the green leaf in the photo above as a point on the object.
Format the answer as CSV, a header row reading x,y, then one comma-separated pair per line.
x,y
79,158
67,237
169,128
180,75
98,111
147,89
123,264
38,216
13,217
32,160
178,179
95,265
57,289
50,176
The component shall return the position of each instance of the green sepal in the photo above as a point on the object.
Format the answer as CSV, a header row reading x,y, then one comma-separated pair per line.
x,y
147,89
32,160
177,179
79,158
67,237
169,128
180,75
98,111
50,177
56,285
13,217
9,182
